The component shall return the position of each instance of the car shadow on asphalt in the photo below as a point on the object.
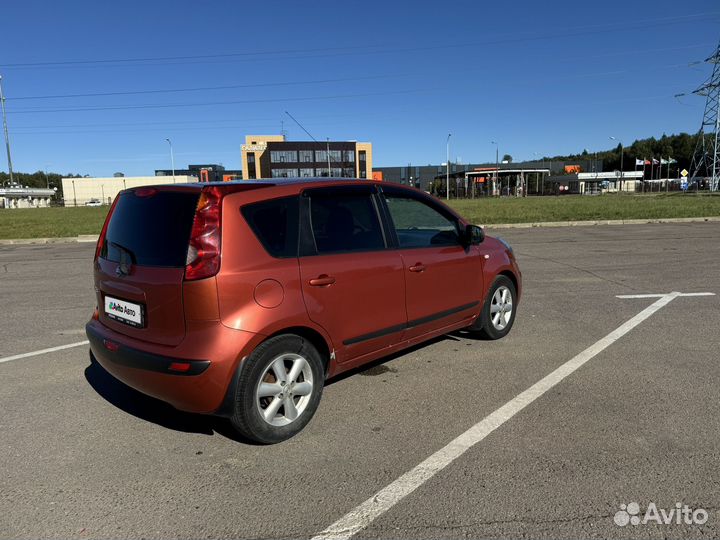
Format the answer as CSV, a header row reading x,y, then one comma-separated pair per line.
x,y
158,412
380,367
153,410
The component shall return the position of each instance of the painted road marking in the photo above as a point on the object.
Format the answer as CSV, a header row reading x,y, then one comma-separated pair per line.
x,y
44,351
661,295
382,501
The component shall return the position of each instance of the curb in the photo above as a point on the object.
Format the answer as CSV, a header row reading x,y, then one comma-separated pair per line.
x,y
82,238
551,224
93,238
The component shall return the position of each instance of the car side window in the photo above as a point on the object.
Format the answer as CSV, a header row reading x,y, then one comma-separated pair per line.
x,y
275,223
417,224
345,222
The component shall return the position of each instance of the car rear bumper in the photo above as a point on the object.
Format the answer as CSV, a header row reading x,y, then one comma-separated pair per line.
x,y
200,388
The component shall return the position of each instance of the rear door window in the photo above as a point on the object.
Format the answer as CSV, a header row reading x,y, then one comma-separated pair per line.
x,y
151,229
345,220
275,223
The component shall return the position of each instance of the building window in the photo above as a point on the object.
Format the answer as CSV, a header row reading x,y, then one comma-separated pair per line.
x,y
363,163
284,173
306,156
335,155
348,156
252,170
307,173
348,172
284,156
321,172
320,156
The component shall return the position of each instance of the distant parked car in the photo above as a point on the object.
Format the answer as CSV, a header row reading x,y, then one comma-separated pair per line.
x,y
93,202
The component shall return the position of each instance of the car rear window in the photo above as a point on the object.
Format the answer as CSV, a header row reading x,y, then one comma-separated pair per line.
x,y
275,223
151,229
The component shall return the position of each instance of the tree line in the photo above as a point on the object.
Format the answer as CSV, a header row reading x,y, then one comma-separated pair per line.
x,y
679,147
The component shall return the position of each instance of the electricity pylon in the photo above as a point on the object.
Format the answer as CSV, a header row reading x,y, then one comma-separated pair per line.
x,y
706,159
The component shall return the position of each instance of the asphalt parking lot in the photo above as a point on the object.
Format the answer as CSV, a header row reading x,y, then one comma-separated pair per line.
x,y
82,456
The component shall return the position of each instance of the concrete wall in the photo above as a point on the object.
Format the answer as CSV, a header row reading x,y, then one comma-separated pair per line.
x,y
78,191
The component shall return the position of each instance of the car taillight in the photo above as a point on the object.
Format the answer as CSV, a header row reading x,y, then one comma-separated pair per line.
x,y
203,256
103,232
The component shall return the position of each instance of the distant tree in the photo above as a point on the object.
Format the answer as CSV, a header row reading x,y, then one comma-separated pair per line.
x,y
508,158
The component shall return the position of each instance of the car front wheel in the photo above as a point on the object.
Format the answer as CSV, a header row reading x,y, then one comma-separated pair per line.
x,y
498,312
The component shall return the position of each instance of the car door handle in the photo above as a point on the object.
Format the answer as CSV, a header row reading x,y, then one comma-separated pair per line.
x,y
417,267
322,281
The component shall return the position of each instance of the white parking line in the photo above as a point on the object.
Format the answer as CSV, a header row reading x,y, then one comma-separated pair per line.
x,y
382,501
661,295
43,351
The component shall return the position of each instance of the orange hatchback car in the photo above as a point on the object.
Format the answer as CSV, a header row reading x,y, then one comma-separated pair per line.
x,y
241,299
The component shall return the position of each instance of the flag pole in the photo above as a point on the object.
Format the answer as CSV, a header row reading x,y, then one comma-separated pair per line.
x,y
643,178
652,164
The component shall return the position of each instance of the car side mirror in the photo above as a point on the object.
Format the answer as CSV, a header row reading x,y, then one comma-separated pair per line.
x,y
474,235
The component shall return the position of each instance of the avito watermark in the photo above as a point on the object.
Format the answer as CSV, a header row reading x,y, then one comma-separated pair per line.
x,y
629,514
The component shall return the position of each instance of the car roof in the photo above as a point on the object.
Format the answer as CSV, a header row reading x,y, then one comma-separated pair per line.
x,y
294,184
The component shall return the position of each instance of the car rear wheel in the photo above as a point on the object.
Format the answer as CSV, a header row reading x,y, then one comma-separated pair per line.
x,y
498,312
279,389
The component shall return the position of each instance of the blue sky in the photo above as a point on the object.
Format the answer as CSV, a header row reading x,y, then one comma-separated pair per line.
x,y
539,77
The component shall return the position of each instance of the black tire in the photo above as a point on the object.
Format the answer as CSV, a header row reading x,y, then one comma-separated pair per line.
x,y
483,325
247,415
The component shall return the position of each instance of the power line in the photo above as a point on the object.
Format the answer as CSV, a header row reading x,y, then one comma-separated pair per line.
x,y
329,158
284,83
213,103
266,100
203,88
245,121
354,50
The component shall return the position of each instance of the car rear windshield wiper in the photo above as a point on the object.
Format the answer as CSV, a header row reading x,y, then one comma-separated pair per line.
x,y
125,253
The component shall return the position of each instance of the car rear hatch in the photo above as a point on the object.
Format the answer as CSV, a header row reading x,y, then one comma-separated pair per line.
x,y
141,261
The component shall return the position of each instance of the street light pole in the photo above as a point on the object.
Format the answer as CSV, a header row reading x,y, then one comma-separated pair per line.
x,y
622,152
172,159
7,137
447,168
497,167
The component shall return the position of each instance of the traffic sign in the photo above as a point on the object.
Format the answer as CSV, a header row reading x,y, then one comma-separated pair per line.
x,y
684,173
684,185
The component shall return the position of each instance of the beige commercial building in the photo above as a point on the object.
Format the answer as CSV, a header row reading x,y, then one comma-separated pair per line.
x,y
271,156
79,191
